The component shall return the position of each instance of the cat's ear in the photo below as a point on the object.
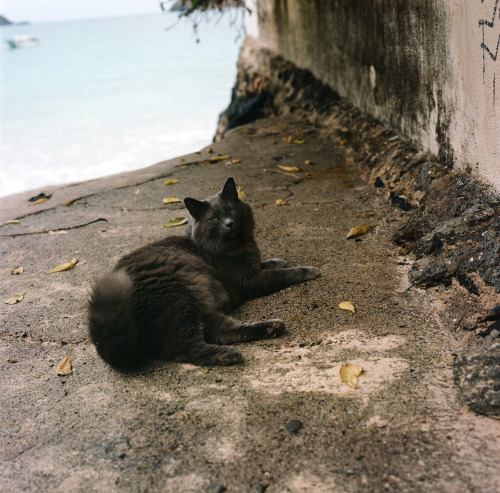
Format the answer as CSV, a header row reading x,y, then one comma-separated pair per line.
x,y
196,207
229,191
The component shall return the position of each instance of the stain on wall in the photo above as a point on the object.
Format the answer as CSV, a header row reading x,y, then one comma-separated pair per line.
x,y
490,26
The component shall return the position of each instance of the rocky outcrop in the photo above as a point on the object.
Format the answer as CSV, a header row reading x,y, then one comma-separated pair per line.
x,y
451,221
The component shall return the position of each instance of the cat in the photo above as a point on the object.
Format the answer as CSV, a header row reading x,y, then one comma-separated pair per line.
x,y
171,299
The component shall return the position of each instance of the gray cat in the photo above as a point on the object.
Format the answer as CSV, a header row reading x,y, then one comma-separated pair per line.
x,y
170,299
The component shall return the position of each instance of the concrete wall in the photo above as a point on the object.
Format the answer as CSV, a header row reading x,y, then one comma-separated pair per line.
x,y
425,68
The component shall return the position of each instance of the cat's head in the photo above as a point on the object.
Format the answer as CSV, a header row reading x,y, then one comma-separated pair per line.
x,y
220,222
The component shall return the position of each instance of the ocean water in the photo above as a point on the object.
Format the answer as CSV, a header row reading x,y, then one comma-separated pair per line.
x,y
99,97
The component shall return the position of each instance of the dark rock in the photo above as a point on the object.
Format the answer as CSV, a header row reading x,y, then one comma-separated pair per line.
x,y
379,183
431,244
216,488
465,281
427,273
293,426
494,313
495,326
478,377
400,202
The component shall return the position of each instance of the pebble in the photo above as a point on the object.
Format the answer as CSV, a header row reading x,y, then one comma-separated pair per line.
x,y
293,426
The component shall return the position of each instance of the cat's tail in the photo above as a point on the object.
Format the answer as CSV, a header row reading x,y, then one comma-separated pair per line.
x,y
111,322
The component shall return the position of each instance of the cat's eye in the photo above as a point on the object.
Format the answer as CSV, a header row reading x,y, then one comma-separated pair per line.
x,y
214,219
232,211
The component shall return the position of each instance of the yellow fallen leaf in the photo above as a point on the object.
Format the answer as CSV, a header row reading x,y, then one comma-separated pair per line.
x,y
350,373
299,141
241,193
308,162
366,214
39,201
17,270
347,305
219,158
181,166
236,161
12,300
288,168
282,125
281,202
170,181
172,200
179,221
64,367
12,221
288,139
357,231
62,267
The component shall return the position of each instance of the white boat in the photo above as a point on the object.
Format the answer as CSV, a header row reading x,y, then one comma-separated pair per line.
x,y
23,41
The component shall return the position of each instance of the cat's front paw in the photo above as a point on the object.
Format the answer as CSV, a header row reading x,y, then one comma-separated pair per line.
x,y
308,273
274,263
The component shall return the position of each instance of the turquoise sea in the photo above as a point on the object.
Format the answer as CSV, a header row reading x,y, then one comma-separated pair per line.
x,y
98,97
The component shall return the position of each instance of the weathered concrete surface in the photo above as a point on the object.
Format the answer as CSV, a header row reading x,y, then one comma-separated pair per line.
x,y
428,70
178,428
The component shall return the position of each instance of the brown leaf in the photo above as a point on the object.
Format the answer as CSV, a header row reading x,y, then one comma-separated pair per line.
x,y
64,367
179,221
350,373
12,300
281,202
308,162
172,200
62,267
236,161
367,214
357,231
219,158
170,181
210,150
17,270
39,201
347,305
289,168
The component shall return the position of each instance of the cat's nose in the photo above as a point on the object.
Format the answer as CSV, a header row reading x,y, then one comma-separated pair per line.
x,y
228,223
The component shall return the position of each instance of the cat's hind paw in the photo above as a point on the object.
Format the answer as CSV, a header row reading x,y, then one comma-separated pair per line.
x,y
276,327
229,356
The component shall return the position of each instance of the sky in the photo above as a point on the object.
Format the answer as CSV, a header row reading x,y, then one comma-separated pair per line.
x,y
37,11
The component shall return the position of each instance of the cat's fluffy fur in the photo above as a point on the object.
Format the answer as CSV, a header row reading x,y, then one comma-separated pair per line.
x,y
170,299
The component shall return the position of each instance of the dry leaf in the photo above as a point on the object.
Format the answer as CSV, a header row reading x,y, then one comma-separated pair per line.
x,y
357,231
367,214
210,150
288,139
344,142
170,181
274,142
308,162
178,221
172,200
181,166
39,201
236,161
297,141
12,221
288,168
62,267
350,373
219,158
69,202
281,202
64,367
299,132
347,305
12,300
282,125
241,193
17,270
